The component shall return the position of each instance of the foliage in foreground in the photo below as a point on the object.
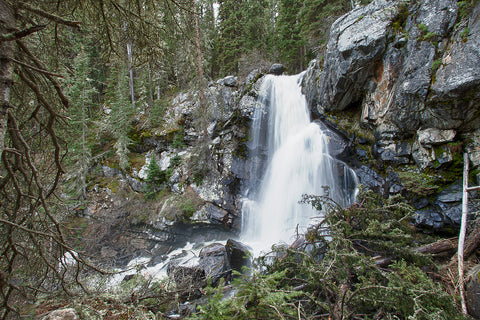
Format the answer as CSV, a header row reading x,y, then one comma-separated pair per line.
x,y
337,274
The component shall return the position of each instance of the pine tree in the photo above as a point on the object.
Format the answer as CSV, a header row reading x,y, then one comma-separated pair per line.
x,y
119,119
155,177
290,45
80,90
245,28
229,39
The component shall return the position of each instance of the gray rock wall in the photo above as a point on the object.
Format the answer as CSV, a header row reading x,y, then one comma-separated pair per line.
x,y
408,67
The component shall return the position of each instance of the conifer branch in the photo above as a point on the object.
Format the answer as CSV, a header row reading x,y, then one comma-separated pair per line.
x,y
21,33
40,65
36,69
49,16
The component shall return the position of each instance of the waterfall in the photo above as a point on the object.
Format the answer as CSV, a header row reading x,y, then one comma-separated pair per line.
x,y
288,158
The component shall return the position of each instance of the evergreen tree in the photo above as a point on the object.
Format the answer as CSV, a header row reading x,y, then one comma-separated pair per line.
x,y
245,29
290,45
80,90
229,39
119,120
155,177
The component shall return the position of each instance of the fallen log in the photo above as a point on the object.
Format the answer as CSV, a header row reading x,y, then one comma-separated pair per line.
x,y
438,246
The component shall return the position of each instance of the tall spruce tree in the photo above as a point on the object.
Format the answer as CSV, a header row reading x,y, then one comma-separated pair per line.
x,y
229,39
289,43
80,89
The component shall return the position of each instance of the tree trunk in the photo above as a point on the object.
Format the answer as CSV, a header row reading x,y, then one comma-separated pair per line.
x,y
461,237
200,70
130,71
6,53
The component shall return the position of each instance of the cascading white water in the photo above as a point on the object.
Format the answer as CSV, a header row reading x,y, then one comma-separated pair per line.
x,y
289,158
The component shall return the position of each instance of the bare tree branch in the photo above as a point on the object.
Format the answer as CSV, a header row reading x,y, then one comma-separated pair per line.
x,y
49,16
36,69
21,33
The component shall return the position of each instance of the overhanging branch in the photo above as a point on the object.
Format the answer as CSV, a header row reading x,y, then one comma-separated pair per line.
x,y
21,33
49,16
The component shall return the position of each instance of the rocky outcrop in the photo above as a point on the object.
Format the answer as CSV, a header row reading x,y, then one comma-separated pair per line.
x,y
454,99
409,68
199,188
357,42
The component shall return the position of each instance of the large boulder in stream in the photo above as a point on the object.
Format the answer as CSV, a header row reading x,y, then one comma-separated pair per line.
x,y
239,255
214,261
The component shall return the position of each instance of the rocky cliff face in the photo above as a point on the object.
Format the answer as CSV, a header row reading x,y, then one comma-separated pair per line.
x,y
412,69
199,196
408,73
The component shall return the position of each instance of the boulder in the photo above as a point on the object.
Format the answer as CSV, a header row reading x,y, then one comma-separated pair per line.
x,y
186,277
230,81
238,255
62,314
276,69
214,262
434,136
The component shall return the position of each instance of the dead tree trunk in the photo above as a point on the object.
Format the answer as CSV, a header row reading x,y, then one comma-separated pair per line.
x,y
200,70
6,54
461,237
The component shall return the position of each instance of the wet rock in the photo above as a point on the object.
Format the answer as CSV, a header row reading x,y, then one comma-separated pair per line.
x,y
229,81
276,69
339,146
214,261
370,178
238,255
